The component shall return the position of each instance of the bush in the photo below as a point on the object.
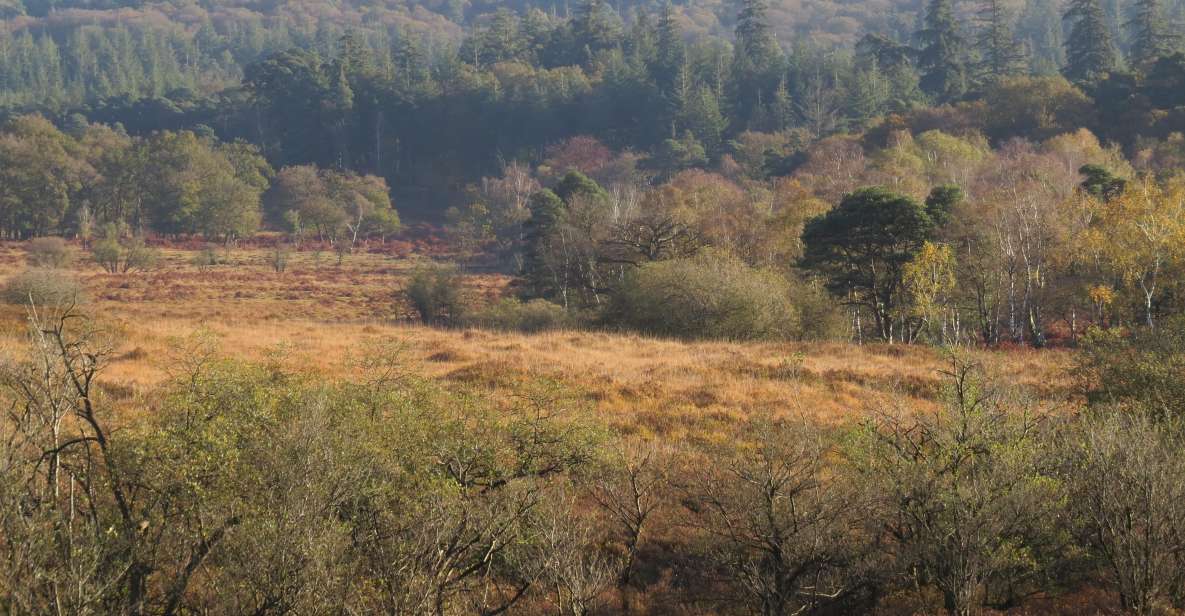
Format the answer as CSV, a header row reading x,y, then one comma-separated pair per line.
x,y
122,257
279,258
708,296
43,287
1142,370
514,315
51,252
206,259
437,295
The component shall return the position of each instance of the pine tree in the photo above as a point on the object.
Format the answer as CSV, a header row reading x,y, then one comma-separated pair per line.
x,y
1040,29
1150,34
668,54
1090,52
701,115
595,27
756,59
1002,57
754,36
944,75
782,107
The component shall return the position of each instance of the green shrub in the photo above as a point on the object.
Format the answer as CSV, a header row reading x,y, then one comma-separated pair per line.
x,y
708,296
206,259
43,287
436,293
51,252
1143,369
122,257
531,316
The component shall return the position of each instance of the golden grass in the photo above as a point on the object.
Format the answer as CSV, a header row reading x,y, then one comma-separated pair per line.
x,y
317,317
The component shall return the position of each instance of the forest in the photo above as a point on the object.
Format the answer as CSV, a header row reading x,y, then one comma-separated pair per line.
x,y
586,308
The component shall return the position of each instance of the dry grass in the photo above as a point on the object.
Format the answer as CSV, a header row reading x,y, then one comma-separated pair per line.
x,y
318,317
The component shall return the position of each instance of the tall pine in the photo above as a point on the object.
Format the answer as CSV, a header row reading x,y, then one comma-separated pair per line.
x,y
1090,51
1001,56
668,54
944,74
756,59
1150,34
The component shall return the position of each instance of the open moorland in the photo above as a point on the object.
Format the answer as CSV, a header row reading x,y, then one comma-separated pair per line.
x,y
322,317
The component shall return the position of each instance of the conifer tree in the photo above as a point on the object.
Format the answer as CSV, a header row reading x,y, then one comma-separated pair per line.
x,y
944,74
1002,57
1040,29
701,115
1090,51
668,60
756,59
1151,36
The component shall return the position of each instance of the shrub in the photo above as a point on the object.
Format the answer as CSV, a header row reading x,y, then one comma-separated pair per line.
x,y
437,295
1143,369
207,258
279,258
708,296
531,316
43,287
51,252
121,257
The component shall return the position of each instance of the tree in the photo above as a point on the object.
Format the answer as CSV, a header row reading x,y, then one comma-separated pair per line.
x,y
1100,183
194,185
545,277
40,171
1001,55
756,60
964,495
1128,496
944,74
1140,233
1151,34
1090,51
341,206
669,52
702,118
929,280
862,246
778,525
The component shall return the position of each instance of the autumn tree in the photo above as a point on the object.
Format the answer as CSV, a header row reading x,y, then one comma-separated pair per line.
x,y
1140,234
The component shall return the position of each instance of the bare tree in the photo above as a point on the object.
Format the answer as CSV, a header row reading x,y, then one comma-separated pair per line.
x,y
567,559
632,488
1124,472
963,496
775,526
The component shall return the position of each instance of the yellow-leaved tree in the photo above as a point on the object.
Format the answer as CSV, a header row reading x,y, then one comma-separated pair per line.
x,y
1141,233
929,281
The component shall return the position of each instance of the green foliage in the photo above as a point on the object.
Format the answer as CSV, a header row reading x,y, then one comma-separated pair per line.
x,y
206,258
966,492
1090,50
437,294
707,296
1143,371
530,316
862,246
119,256
941,204
1100,183
944,72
